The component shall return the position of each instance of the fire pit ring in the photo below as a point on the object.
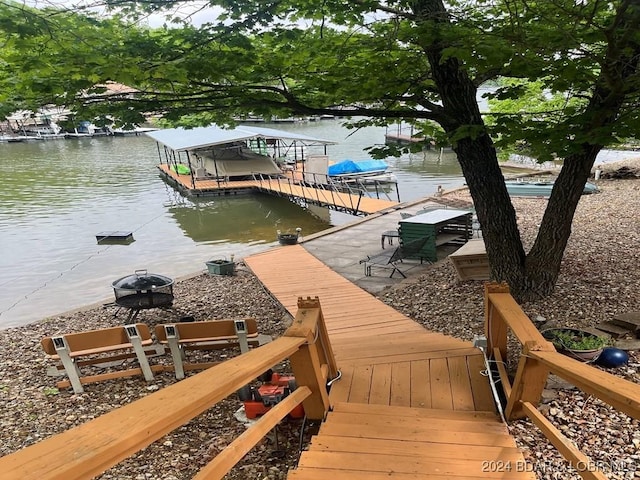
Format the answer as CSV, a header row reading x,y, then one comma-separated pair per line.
x,y
143,290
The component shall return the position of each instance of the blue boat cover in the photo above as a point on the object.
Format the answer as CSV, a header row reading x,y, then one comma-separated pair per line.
x,y
361,166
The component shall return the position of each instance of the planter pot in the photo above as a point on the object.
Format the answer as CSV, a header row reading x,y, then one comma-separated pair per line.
x,y
582,355
578,344
288,238
220,267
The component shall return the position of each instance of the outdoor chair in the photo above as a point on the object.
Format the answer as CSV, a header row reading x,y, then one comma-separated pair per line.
x,y
392,258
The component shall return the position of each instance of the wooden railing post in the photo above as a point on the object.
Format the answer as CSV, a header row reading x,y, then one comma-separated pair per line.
x,y
307,363
326,351
495,327
530,380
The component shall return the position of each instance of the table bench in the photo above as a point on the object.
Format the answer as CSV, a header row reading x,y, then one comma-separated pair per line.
x,y
471,261
442,226
206,335
103,347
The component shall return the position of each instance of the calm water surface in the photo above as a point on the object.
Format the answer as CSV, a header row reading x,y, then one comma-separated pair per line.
x,y
57,195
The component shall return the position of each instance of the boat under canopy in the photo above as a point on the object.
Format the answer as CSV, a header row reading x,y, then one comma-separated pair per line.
x,y
234,153
235,161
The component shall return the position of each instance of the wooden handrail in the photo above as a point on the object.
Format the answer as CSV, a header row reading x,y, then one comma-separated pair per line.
x,y
539,358
91,448
233,453
617,392
502,313
575,457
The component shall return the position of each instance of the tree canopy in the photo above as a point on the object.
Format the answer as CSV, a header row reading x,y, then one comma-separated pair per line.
x,y
418,61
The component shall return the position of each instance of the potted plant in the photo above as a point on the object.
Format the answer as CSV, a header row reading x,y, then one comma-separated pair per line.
x,y
220,267
288,238
576,343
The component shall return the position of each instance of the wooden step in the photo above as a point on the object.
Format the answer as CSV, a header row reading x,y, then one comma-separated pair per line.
x,y
362,441
379,463
613,329
452,423
418,432
630,320
335,474
409,412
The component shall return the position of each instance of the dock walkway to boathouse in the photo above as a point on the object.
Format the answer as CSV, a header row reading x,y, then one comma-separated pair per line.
x,y
410,404
347,202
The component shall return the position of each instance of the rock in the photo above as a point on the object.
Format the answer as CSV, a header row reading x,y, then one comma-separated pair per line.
x,y
539,320
548,395
556,383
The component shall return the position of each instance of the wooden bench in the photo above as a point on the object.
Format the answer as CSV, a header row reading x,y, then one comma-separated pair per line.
x,y
391,259
206,335
103,347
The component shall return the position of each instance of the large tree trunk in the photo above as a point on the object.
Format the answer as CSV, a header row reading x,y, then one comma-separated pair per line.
x,y
543,262
476,154
534,275
494,209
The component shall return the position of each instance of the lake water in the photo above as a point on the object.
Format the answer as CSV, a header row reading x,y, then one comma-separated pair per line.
x,y
57,195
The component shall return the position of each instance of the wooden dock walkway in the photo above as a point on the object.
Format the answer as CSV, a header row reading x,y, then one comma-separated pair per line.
x,y
319,196
410,403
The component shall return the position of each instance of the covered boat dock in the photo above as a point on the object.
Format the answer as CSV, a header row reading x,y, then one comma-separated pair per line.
x,y
215,161
234,154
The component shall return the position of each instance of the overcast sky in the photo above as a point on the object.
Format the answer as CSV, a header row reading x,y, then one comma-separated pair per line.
x,y
196,11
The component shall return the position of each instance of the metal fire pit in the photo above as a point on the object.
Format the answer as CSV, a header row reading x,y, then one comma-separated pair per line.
x,y
143,290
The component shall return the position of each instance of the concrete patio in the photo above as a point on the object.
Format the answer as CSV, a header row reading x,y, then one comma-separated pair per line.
x,y
342,248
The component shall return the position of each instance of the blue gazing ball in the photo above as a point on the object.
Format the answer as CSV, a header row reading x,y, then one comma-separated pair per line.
x,y
612,357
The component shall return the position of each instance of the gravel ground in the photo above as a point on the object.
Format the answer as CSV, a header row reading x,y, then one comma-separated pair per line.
x,y
599,278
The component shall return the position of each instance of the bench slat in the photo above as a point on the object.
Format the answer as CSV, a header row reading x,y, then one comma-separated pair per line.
x,y
102,340
208,330
95,351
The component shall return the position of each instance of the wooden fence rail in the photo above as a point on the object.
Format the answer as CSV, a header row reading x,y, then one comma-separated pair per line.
x,y
539,358
91,448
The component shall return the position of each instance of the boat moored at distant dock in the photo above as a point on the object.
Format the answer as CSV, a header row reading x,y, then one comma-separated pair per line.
x,y
362,170
530,188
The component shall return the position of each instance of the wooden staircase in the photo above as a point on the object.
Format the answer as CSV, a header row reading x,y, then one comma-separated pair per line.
x,y
409,403
375,442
